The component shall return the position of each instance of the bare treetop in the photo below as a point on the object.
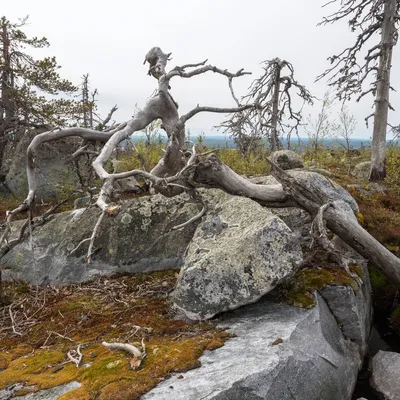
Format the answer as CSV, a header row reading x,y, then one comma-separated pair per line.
x,y
371,19
346,73
273,113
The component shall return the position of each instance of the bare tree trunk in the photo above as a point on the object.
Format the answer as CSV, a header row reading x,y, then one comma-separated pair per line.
x,y
85,101
275,110
378,157
5,93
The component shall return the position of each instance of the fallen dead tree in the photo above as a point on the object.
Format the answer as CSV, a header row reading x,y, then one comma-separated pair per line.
x,y
182,170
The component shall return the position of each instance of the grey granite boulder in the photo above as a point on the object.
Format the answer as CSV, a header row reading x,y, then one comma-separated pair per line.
x,y
239,252
278,352
385,377
53,167
138,239
362,170
287,159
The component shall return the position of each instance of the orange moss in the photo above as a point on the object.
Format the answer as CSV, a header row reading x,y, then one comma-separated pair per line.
x,y
89,314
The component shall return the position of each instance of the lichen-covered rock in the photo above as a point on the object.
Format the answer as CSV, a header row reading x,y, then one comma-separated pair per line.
x,y
52,163
362,170
47,394
137,239
287,159
239,252
278,352
385,377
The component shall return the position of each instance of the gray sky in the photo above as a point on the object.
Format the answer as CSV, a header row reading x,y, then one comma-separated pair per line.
x,y
109,39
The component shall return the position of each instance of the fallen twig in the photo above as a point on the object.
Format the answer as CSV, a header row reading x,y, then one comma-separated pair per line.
x,y
75,356
138,355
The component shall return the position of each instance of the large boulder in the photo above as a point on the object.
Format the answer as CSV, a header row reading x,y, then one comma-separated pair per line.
x,y
239,252
53,167
385,377
287,159
277,352
137,239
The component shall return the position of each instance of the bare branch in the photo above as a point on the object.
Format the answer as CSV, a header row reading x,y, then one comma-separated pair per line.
x,y
93,237
198,109
138,355
203,70
75,356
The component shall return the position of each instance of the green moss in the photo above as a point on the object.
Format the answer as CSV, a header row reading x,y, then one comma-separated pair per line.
x,y
378,279
395,319
299,290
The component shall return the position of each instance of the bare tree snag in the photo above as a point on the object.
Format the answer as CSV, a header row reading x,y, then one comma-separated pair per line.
x,y
388,39
175,174
273,115
369,18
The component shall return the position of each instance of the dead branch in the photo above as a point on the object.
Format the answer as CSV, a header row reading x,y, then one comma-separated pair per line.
x,y
319,234
75,356
13,321
93,237
138,355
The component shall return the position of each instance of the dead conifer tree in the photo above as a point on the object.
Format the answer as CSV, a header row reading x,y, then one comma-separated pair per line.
x,y
274,114
370,19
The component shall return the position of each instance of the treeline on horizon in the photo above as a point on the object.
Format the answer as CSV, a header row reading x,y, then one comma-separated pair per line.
x,y
297,144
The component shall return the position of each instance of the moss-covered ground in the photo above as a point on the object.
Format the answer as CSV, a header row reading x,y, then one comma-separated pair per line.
x,y
47,323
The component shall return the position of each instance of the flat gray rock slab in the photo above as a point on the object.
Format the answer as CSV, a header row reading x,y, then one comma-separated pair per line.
x,y
279,352
48,394
385,377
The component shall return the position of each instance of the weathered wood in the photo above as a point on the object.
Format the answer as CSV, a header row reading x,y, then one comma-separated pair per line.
x,y
214,173
378,155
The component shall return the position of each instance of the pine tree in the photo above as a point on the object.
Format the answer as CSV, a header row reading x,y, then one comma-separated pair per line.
x,y
30,88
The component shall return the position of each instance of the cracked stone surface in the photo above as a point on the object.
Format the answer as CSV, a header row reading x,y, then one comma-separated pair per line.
x,y
279,352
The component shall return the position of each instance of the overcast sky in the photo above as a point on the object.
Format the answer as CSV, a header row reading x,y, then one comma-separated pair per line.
x,y
109,39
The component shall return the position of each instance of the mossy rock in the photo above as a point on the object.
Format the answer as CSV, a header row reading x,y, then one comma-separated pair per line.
x,y
300,289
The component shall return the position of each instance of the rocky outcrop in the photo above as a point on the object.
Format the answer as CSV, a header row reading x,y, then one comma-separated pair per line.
x,y
287,159
277,352
386,374
137,239
53,164
362,170
239,252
